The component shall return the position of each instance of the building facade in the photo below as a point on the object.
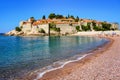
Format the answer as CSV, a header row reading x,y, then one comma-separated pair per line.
x,y
66,25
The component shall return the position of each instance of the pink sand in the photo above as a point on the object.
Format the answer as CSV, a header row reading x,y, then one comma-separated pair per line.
x,y
102,65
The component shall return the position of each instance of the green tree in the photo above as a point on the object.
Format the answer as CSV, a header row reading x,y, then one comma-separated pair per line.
x,y
58,30
77,19
52,15
78,28
59,16
68,16
85,28
93,23
51,25
97,28
106,26
18,29
88,26
43,17
42,31
72,17
32,19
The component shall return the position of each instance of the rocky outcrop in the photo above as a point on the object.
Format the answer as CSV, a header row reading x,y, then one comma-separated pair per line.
x,y
14,33
21,33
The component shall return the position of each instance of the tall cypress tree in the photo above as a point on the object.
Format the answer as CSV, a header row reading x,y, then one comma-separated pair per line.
x,y
43,17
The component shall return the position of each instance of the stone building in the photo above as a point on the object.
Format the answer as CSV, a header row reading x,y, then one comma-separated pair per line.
x,y
66,25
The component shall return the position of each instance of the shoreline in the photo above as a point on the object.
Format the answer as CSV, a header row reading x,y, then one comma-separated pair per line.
x,y
50,74
69,67
82,33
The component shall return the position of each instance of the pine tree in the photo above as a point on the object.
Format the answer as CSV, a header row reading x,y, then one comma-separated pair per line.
x,y
43,17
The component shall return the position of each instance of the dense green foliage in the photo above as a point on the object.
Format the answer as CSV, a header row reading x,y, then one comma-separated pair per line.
x,y
78,28
72,17
59,16
97,28
52,15
42,31
85,28
93,23
106,26
32,19
18,29
57,29
88,26
43,17
77,19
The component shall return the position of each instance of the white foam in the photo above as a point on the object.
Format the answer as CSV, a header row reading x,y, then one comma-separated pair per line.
x,y
40,75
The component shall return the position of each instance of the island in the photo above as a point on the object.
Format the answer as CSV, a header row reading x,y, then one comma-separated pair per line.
x,y
57,24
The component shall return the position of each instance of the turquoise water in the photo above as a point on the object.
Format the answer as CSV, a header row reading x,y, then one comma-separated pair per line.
x,y
19,55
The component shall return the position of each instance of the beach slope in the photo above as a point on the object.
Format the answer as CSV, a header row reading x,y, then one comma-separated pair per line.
x,y
103,64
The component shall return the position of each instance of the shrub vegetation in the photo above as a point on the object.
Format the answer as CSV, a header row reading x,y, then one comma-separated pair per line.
x,y
42,31
18,29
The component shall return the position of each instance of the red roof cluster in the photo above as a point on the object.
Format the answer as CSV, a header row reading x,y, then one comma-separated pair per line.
x,y
60,21
56,21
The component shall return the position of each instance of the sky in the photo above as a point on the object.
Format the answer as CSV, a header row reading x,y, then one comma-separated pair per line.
x,y
14,11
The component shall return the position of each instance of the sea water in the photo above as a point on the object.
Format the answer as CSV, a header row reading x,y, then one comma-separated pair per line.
x,y
20,55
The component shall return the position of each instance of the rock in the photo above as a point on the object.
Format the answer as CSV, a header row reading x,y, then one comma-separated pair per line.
x,y
14,33
20,33
31,33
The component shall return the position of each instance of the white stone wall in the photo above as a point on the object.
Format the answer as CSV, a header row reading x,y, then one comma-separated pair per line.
x,y
21,23
34,29
84,23
75,25
45,27
114,26
26,28
66,28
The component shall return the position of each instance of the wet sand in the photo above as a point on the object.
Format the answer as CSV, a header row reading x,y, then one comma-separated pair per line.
x,y
102,64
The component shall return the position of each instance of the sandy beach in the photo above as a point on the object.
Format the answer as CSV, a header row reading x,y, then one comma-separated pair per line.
x,y
102,64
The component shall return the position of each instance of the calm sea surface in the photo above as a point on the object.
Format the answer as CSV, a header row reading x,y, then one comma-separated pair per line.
x,y
19,55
